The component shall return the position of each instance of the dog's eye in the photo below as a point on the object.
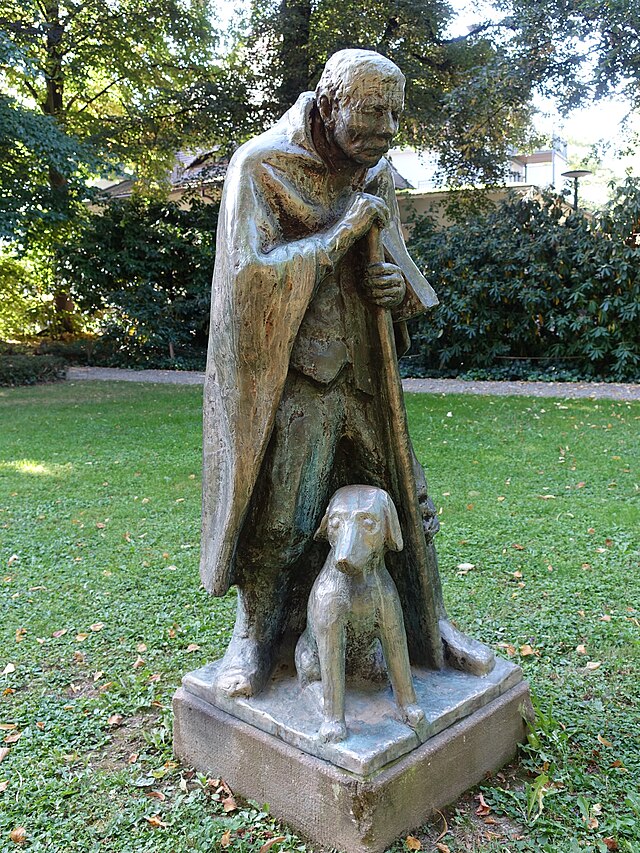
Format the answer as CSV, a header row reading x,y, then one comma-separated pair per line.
x,y
370,525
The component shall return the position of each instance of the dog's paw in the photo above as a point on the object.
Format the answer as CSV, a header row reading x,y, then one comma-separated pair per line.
x,y
412,715
333,731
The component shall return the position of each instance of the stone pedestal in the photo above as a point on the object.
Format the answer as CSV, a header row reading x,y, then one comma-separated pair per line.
x,y
336,807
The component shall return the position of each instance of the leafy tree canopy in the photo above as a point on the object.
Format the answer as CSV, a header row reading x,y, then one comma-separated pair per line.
x,y
463,98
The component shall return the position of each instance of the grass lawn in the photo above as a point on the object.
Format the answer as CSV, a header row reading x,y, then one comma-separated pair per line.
x,y
102,614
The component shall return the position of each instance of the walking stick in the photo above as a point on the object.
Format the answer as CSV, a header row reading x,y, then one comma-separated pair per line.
x,y
423,568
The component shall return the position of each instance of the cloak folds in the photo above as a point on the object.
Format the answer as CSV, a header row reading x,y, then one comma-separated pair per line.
x,y
279,196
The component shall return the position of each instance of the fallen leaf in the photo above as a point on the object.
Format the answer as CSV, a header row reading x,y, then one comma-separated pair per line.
x,y
500,498
605,618
527,650
580,485
97,626
13,738
9,668
547,497
40,725
157,795
4,785
443,848
97,675
100,525
610,843
81,637
484,808
593,823
18,835
517,573
413,843
153,678
4,751
591,530
269,844
582,650
138,663
155,821
193,647
115,719
604,741
225,838
508,647
7,727
518,547
21,633
12,559
229,804
593,664
59,633
133,758
141,647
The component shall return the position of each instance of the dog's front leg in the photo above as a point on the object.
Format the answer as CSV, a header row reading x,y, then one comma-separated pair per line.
x,y
394,646
331,651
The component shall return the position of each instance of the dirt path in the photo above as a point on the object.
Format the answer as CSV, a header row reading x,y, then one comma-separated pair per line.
x,y
593,390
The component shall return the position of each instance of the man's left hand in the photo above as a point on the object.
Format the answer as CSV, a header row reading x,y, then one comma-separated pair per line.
x,y
384,285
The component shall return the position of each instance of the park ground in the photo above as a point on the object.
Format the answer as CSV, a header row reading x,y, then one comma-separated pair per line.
x,y
102,614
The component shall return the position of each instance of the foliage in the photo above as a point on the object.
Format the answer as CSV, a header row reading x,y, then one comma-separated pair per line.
x,y
19,369
579,49
102,614
143,267
463,99
530,280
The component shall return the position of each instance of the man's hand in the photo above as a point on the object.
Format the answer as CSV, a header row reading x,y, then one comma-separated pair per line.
x,y
364,211
384,285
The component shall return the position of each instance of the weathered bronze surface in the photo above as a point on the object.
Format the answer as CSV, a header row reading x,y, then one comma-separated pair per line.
x,y
311,292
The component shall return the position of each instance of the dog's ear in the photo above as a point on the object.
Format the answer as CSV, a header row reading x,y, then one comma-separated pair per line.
x,y
393,534
321,532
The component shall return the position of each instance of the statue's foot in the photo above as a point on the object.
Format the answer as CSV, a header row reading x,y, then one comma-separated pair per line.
x,y
412,715
333,731
463,652
244,668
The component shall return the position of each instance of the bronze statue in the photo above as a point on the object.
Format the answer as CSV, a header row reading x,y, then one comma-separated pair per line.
x,y
311,291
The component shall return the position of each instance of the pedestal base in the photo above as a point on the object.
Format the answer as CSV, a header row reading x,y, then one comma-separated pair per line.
x,y
337,808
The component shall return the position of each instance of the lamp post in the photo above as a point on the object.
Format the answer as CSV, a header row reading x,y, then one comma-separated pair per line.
x,y
576,174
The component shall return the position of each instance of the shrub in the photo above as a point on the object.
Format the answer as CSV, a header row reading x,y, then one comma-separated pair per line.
x,y
20,369
526,280
143,268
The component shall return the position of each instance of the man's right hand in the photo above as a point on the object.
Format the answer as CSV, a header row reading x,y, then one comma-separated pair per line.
x,y
364,211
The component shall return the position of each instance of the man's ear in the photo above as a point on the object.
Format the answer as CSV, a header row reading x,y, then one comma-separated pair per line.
x,y
325,107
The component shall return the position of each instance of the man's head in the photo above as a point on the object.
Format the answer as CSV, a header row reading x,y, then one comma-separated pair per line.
x,y
360,96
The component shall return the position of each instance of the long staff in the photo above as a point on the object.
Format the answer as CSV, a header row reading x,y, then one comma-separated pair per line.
x,y
406,483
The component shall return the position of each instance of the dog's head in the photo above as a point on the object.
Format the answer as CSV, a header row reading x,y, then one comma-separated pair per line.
x,y
360,523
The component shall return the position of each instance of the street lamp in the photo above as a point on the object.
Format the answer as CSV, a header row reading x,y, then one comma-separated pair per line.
x,y
576,174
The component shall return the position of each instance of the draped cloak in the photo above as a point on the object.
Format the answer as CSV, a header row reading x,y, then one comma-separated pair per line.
x,y
278,199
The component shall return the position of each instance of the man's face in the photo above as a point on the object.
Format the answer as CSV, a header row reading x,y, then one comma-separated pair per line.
x,y
366,124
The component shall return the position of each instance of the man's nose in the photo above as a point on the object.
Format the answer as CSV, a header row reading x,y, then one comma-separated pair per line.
x,y
388,126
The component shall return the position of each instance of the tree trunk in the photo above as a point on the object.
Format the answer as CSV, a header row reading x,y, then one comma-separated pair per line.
x,y
293,58
54,106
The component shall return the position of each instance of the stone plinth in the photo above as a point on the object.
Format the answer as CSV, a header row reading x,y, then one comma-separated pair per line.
x,y
357,813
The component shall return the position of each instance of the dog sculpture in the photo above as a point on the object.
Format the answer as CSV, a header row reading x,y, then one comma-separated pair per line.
x,y
353,604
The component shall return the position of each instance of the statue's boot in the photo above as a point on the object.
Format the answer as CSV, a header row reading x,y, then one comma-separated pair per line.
x,y
248,660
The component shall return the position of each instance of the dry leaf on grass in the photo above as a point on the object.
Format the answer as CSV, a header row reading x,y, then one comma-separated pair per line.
x,y
225,839
115,720
591,665
484,808
4,785
18,835
9,668
193,647
3,753
157,795
443,848
229,804
269,844
13,738
97,626
155,821
604,741
413,843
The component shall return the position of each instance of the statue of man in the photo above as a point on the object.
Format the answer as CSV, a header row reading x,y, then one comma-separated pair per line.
x,y
293,405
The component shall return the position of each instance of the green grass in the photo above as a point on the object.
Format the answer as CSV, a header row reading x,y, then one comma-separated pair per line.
x,y
102,614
